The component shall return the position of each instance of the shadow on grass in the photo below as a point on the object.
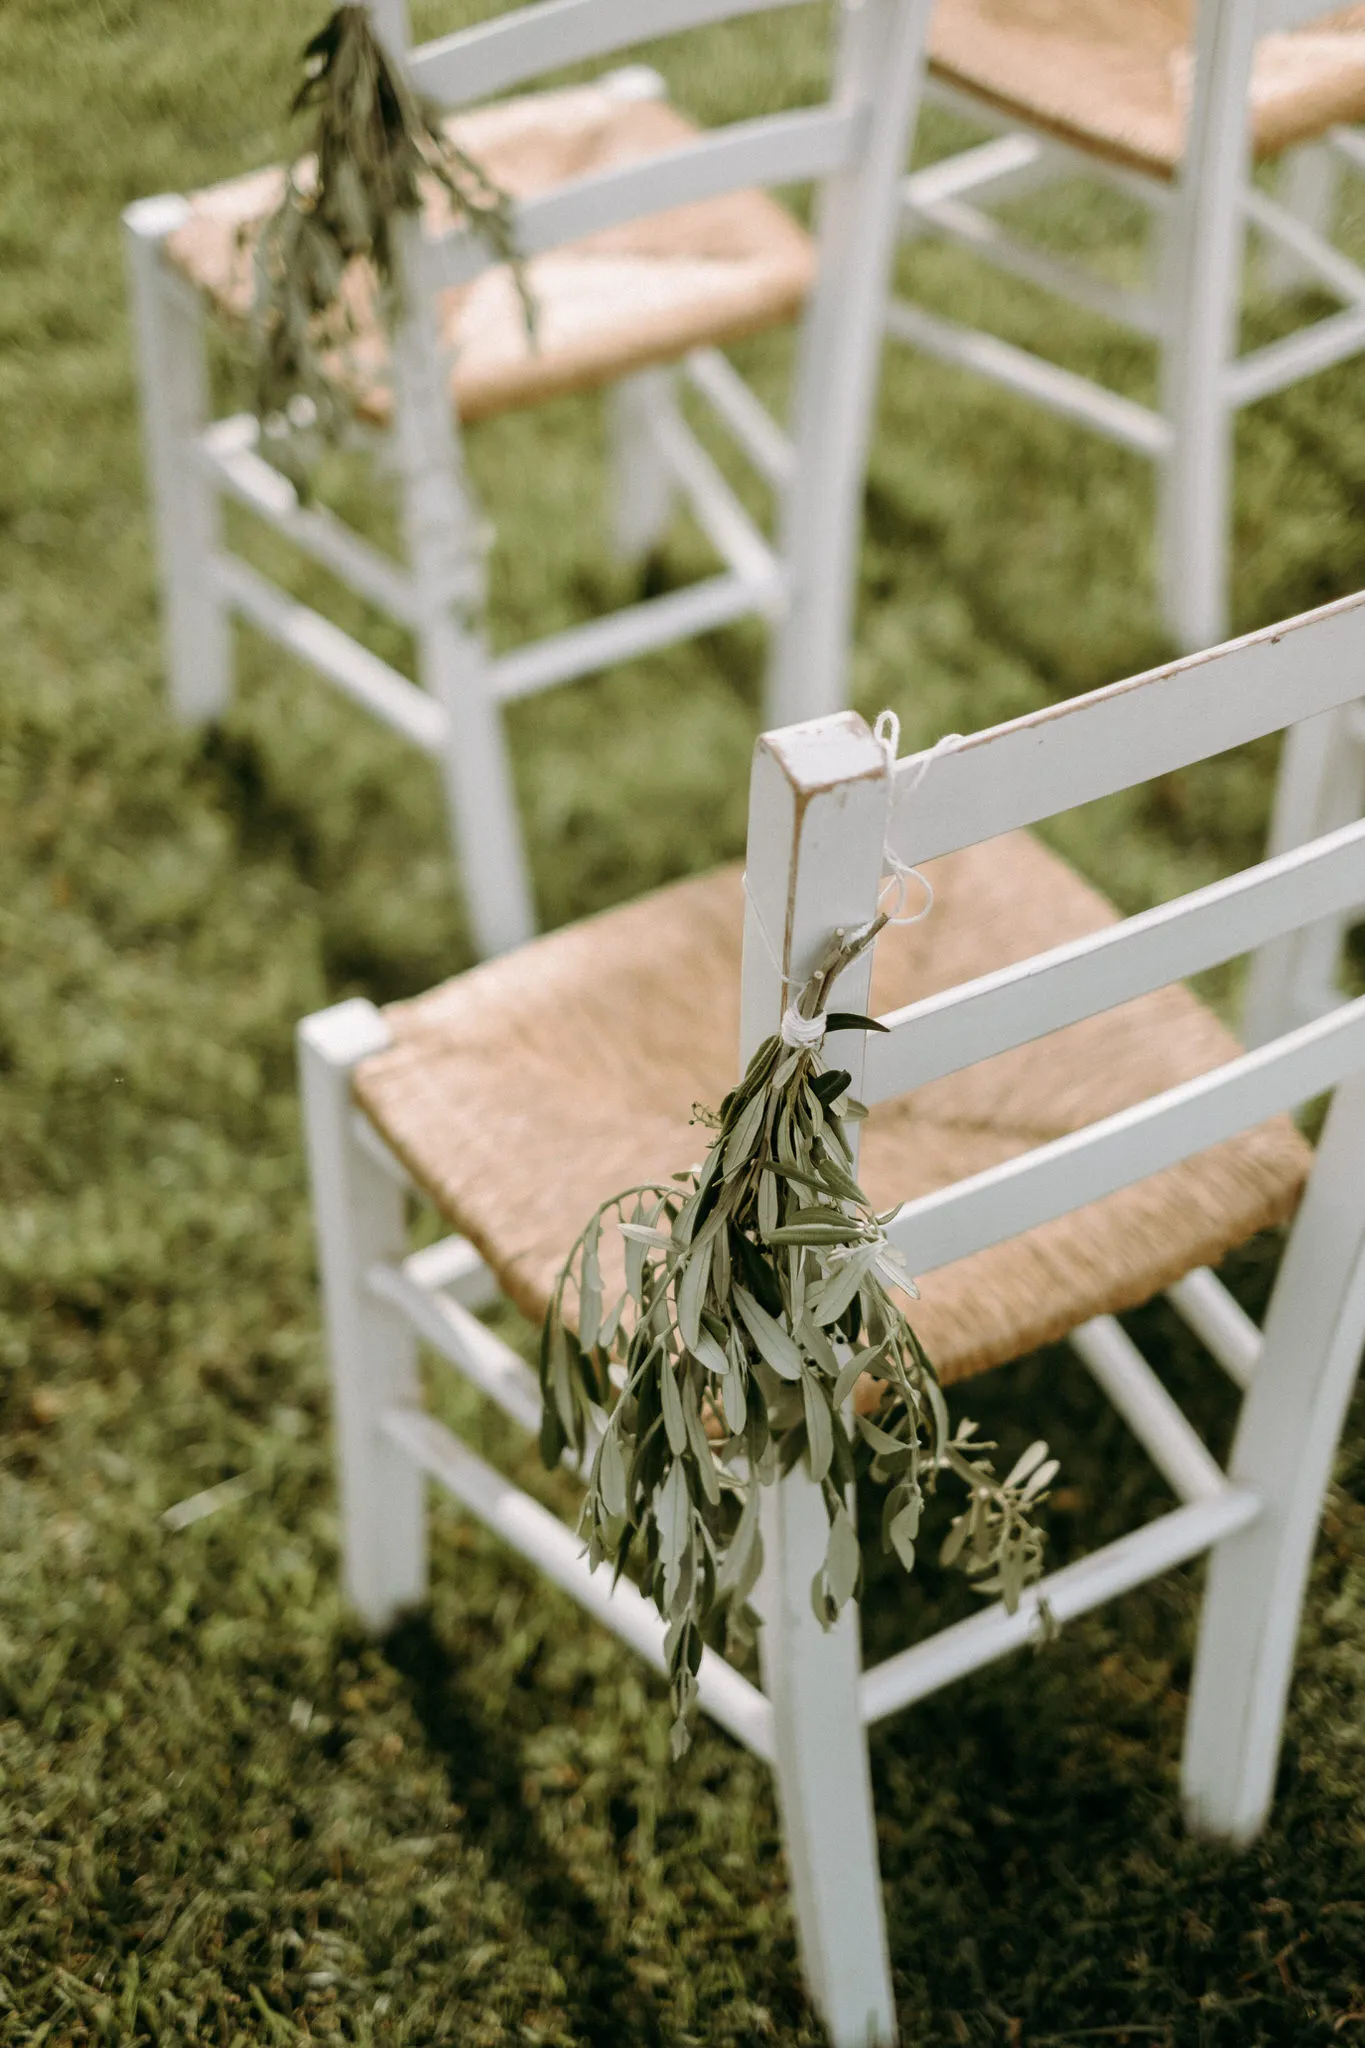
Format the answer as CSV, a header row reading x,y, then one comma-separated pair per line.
x,y
266,824
603,2001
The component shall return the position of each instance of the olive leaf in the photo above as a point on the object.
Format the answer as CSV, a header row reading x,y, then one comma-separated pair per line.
x,y
757,1293
329,253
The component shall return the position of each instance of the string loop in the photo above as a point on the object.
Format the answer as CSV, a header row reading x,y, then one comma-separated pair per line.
x,y
887,732
810,1031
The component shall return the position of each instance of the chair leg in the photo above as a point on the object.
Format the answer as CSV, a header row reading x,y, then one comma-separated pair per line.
x,y
446,547
1195,495
1321,785
1284,1449
173,373
642,486
358,1217
1204,241
823,1787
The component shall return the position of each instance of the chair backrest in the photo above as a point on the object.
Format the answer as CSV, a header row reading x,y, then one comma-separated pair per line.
x,y
825,802
851,147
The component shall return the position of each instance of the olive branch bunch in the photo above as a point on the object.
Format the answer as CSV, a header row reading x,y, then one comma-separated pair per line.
x,y
375,146
758,1291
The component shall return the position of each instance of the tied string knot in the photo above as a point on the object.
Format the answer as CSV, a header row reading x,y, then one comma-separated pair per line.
x,y
887,731
802,1032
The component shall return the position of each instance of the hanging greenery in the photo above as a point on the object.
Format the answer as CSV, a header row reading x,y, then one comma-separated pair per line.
x,y
758,1291
327,260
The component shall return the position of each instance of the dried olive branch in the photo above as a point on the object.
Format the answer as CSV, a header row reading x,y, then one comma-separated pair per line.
x,y
375,147
757,1293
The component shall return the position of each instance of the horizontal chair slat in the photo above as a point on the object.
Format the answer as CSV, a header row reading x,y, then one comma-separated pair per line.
x,y
1047,384
1054,1179
475,63
925,1668
229,452
1131,732
622,635
334,654
779,149
978,1019
557,1552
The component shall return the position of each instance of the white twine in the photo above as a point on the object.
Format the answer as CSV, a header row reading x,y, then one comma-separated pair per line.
x,y
807,1032
887,731
801,1031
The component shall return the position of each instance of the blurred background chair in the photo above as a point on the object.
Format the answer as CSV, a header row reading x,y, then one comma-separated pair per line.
x,y
1176,103
647,246
1065,1129
1320,786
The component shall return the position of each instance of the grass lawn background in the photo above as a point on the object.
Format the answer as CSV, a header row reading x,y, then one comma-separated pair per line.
x,y
224,1817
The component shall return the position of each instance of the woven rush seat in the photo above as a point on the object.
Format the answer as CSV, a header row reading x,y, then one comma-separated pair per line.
x,y
529,1090
615,302
1114,76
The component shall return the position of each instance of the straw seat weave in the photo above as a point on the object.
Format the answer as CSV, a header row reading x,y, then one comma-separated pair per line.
x,y
1114,76
615,302
529,1090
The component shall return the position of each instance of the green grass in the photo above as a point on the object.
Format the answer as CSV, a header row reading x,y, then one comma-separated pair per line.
x,y
225,1817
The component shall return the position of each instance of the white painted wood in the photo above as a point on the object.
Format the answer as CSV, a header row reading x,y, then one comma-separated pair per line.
x,y
1025,1001
173,378
1317,260
642,488
852,147
776,149
363,676
1120,1370
230,449
985,237
1057,390
1262,1517
751,425
476,63
558,1554
621,635
1129,732
462,1340
719,513
1273,16
1299,355
1349,144
369,1141
1203,279
390,22
824,1789
372,1353
1003,164
1083,1166
1321,783
816,820
446,546
1283,1450
1223,1324
1116,1568
881,61
1071,159
453,1266
1199,217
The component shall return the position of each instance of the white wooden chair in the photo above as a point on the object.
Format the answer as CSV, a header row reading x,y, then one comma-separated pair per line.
x,y
1068,1132
1116,90
625,283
